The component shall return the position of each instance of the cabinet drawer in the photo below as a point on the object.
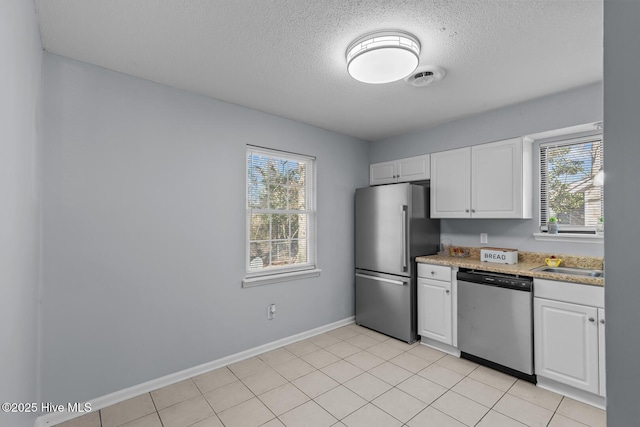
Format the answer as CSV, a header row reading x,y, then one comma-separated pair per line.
x,y
436,272
574,293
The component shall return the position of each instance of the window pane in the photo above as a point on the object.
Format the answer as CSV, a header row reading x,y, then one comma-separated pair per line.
x,y
302,225
260,227
297,197
301,250
277,196
567,190
259,255
280,226
257,181
257,196
281,253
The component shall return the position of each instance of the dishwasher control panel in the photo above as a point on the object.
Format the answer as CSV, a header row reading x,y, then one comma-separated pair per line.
x,y
496,279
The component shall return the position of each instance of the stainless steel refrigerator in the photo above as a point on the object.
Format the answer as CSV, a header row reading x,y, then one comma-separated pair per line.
x,y
392,228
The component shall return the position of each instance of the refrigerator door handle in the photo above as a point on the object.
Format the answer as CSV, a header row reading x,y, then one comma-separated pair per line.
x,y
381,279
405,212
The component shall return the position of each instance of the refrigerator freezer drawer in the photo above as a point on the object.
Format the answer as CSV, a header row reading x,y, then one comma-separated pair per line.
x,y
386,304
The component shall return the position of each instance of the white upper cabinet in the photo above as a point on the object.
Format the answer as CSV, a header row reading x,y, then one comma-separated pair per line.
x,y
451,184
484,181
383,173
403,170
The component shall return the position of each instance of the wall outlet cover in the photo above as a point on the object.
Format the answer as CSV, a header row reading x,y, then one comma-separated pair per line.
x,y
271,311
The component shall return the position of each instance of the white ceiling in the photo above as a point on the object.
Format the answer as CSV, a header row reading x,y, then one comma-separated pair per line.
x,y
287,57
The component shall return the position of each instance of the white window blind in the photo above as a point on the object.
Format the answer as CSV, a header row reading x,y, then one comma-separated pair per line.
x,y
567,190
281,215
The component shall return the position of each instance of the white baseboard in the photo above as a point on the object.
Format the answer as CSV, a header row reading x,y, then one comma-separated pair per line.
x,y
440,346
574,393
101,402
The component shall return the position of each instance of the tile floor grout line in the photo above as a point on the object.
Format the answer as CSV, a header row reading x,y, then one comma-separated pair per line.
x,y
402,392
156,406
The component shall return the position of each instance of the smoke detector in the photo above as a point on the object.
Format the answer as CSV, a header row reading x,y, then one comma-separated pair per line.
x,y
425,76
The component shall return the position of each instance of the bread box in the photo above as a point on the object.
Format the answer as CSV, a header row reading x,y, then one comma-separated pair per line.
x,y
499,255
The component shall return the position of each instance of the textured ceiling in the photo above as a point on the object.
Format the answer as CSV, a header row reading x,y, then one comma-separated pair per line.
x,y
287,57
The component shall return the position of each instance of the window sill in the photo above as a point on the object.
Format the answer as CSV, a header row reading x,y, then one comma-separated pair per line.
x,y
250,282
569,237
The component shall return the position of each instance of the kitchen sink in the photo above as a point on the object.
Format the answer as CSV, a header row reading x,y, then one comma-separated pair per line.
x,y
571,270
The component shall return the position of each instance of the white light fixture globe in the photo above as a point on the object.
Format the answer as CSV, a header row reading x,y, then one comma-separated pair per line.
x,y
383,57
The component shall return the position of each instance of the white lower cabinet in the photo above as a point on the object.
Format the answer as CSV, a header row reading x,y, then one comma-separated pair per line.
x,y
435,303
569,335
601,353
567,343
434,297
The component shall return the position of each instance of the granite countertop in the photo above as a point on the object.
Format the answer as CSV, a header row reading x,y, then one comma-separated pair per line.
x,y
527,261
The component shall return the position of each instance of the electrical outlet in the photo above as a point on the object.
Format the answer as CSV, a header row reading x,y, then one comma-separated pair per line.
x,y
484,238
271,311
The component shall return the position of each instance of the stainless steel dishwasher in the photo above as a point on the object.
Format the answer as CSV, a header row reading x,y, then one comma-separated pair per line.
x,y
495,321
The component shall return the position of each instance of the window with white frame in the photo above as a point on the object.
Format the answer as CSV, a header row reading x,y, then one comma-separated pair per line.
x,y
570,183
281,213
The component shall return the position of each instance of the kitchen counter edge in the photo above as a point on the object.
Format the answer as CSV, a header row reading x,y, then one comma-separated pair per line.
x,y
521,268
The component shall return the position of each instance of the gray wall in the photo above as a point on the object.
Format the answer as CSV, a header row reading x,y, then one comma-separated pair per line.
x,y
20,86
144,228
622,204
570,108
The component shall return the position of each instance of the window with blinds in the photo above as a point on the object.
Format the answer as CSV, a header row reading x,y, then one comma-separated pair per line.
x,y
567,188
281,214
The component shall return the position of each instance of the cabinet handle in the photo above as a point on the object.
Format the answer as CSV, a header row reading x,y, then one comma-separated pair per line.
x,y
447,291
466,210
591,319
602,321
433,273
473,210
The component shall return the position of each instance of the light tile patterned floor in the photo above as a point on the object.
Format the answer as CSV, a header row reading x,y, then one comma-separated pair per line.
x,y
351,377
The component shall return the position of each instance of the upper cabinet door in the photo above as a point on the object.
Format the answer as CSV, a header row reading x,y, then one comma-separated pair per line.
x,y
451,184
497,180
383,173
414,168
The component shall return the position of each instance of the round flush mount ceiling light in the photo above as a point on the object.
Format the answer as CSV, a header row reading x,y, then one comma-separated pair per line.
x,y
383,57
